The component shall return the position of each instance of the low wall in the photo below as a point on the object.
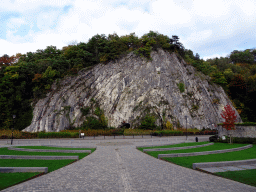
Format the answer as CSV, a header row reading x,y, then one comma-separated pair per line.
x,y
223,163
240,131
204,152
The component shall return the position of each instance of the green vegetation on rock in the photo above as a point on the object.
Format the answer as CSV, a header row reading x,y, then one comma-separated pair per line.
x,y
25,78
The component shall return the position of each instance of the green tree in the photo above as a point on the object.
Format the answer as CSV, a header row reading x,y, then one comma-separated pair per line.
x,y
219,78
242,57
148,122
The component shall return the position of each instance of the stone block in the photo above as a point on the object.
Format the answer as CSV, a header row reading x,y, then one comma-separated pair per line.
x,y
49,150
224,163
177,148
23,169
38,157
214,169
203,153
232,168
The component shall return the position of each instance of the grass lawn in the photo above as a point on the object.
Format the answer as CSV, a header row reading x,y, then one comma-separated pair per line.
x,y
45,147
51,164
214,147
245,176
9,179
175,145
230,156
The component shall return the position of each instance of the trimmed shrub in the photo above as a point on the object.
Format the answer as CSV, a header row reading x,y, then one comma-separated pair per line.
x,y
28,135
243,140
137,132
58,135
213,138
167,133
4,137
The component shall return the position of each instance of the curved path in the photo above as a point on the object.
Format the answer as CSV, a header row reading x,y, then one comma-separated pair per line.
x,y
119,166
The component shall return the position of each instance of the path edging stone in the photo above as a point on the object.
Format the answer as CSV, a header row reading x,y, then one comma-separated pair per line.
x,y
67,146
204,152
223,163
159,145
38,157
49,150
23,169
177,148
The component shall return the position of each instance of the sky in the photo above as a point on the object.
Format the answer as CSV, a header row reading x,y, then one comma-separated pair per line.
x,y
211,28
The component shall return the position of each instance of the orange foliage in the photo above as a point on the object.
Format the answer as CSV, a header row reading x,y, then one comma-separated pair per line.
x,y
37,77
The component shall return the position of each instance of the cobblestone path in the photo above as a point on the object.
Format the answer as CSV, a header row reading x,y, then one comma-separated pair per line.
x,y
119,166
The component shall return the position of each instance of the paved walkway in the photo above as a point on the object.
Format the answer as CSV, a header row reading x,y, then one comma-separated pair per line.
x,y
119,166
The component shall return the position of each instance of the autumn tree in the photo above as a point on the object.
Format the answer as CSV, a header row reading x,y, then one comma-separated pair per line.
x,y
6,60
229,115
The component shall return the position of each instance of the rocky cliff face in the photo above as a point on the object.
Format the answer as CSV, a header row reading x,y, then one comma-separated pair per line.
x,y
130,88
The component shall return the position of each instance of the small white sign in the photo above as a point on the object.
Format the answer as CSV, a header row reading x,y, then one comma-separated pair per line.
x,y
223,137
82,134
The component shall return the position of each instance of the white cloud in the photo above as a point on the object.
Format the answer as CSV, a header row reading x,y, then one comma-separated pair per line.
x,y
15,23
213,9
215,55
22,6
199,36
248,7
167,12
203,26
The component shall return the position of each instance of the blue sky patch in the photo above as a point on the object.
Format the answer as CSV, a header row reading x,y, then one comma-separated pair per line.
x,y
67,8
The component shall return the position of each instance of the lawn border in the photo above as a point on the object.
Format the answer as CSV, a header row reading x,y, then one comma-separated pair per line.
x,y
203,171
223,163
204,152
177,148
23,169
38,175
160,145
48,150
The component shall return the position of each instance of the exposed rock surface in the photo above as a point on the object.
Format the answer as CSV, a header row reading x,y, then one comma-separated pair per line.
x,y
129,88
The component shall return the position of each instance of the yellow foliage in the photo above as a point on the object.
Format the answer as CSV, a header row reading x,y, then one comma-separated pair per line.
x,y
103,58
169,125
239,111
8,132
10,72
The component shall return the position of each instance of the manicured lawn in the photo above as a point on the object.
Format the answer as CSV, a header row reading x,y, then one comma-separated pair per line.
x,y
230,156
214,147
5,151
9,179
175,145
45,147
19,177
245,176
51,164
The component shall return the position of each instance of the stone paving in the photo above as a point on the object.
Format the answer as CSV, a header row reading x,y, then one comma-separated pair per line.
x,y
119,166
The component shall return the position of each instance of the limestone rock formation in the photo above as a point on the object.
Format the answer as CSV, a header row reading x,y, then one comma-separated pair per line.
x,y
131,87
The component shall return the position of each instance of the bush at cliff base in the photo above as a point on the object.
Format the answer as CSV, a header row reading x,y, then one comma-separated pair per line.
x,y
243,140
58,135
